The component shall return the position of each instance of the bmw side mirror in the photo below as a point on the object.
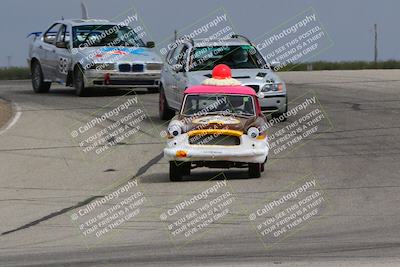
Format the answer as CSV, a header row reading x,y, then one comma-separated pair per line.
x,y
177,67
274,65
63,45
150,44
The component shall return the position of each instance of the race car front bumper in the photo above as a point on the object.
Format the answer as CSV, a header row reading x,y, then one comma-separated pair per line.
x,y
273,103
249,150
101,78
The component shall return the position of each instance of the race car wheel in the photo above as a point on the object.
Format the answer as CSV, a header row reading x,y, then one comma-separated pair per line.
x,y
186,168
263,165
38,83
165,112
79,82
285,111
175,171
254,170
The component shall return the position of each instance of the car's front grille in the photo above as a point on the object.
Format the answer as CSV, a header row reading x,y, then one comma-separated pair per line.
x,y
154,66
124,67
212,139
131,68
255,87
137,68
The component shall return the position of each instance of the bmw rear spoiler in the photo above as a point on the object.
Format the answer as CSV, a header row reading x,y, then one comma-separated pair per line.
x,y
37,34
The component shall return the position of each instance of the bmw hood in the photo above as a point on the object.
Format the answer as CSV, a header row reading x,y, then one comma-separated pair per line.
x,y
109,54
245,76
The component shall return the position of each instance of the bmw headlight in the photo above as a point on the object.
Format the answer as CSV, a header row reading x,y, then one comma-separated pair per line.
x,y
272,87
253,132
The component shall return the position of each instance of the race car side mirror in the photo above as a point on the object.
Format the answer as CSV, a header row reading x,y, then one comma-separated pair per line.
x,y
177,67
62,45
274,65
150,44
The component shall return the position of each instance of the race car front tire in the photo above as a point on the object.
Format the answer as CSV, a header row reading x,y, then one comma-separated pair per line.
x,y
254,170
284,111
79,82
165,112
263,164
176,171
38,83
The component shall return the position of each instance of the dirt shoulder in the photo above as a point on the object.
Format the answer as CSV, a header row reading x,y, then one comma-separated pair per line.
x,y
5,112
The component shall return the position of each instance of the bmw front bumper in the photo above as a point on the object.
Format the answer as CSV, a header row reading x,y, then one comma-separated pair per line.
x,y
273,103
148,79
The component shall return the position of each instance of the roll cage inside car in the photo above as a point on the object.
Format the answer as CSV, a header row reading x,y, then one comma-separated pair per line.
x,y
227,106
58,34
179,54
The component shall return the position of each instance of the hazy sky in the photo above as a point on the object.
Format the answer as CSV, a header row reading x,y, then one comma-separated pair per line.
x,y
348,22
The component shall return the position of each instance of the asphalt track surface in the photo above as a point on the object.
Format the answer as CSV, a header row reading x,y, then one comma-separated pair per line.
x,y
44,179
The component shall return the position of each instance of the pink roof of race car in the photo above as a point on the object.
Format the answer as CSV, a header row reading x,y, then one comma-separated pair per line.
x,y
211,89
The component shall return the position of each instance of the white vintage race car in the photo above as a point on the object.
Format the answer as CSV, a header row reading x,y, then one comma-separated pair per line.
x,y
217,127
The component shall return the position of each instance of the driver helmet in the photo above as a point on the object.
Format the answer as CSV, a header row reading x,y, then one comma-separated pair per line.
x,y
240,55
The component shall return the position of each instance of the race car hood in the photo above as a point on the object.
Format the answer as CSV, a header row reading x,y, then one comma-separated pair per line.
x,y
216,122
245,76
109,54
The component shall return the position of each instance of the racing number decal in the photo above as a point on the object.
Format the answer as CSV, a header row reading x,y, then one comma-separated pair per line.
x,y
63,65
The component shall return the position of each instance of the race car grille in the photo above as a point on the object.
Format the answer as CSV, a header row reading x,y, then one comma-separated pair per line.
x,y
137,68
131,68
154,66
211,139
255,87
124,67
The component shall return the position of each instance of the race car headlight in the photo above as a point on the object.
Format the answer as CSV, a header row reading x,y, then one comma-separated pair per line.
x,y
174,130
253,132
272,87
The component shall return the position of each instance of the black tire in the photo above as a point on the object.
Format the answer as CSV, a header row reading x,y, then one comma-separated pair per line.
x,y
175,171
165,112
38,83
186,168
254,170
285,111
153,90
79,82
263,164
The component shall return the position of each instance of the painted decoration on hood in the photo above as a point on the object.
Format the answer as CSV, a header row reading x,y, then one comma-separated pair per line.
x,y
216,120
123,51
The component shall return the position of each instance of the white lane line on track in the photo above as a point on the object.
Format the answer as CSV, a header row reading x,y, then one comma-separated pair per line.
x,y
16,117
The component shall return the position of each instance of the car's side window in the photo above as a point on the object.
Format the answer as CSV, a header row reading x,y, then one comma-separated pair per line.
x,y
175,55
182,58
63,34
169,55
51,34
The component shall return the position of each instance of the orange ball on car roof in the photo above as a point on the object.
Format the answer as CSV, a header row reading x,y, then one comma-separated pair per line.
x,y
222,71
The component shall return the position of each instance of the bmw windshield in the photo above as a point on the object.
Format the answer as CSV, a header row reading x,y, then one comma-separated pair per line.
x,y
236,57
105,35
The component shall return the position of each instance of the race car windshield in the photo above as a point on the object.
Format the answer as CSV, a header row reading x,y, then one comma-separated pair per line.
x,y
105,35
236,57
241,105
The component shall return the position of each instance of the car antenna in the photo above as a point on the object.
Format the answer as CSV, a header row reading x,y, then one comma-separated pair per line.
x,y
85,14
